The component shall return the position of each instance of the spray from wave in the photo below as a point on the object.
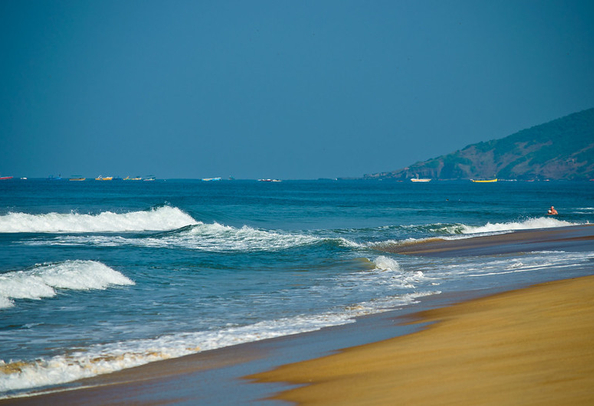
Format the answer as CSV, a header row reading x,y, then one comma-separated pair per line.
x,y
398,277
529,224
42,280
386,264
158,219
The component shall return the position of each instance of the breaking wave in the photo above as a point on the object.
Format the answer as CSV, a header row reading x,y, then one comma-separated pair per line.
x,y
157,219
107,358
18,376
444,229
438,231
217,237
41,281
204,237
396,276
529,224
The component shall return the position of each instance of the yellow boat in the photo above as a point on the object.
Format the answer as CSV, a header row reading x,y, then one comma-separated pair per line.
x,y
106,178
484,180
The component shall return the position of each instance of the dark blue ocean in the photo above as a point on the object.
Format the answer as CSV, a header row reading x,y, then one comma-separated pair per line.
x,y
98,276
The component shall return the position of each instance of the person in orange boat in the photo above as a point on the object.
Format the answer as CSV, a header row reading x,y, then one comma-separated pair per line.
x,y
552,211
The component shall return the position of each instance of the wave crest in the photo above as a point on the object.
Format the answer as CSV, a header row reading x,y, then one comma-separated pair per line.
x,y
200,236
158,219
216,237
532,223
386,263
43,280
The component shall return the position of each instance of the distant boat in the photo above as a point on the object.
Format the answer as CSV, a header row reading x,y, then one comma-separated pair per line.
x,y
269,180
5,177
150,178
76,178
211,179
104,178
484,180
135,178
417,179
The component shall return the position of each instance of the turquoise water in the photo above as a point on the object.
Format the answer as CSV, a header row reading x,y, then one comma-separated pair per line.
x,y
101,276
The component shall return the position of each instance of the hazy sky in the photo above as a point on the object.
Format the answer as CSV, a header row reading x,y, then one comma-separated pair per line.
x,y
279,89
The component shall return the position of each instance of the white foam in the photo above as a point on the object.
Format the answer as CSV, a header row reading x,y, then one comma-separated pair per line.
x,y
463,231
102,359
204,237
386,263
217,237
159,219
530,262
42,280
392,274
533,223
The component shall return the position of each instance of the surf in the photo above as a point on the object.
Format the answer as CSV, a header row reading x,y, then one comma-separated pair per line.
x,y
157,219
17,376
200,236
47,280
528,224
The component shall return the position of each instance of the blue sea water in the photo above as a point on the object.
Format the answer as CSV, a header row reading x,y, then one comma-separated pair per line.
x,y
100,276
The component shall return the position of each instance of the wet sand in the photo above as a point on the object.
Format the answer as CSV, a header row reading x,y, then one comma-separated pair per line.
x,y
531,346
572,238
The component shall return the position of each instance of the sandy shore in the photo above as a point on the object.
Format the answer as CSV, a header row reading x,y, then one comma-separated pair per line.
x,y
524,347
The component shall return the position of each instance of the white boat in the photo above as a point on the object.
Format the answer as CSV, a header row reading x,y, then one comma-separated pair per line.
x,y
420,179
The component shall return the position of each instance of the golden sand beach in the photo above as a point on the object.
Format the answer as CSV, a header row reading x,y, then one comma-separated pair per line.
x,y
533,346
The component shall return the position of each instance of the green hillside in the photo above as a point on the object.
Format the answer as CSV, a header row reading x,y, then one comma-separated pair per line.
x,y
559,149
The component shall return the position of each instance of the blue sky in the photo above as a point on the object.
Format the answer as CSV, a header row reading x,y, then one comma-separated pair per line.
x,y
279,89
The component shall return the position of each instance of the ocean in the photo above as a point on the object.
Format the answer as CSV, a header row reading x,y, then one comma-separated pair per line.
x,y
99,276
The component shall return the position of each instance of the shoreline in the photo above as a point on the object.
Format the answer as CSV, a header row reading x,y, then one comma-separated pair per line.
x,y
218,376
228,366
527,346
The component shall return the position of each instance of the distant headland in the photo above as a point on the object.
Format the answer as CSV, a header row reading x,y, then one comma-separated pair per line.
x,y
560,149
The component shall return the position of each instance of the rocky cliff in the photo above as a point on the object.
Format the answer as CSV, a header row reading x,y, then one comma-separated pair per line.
x,y
559,149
